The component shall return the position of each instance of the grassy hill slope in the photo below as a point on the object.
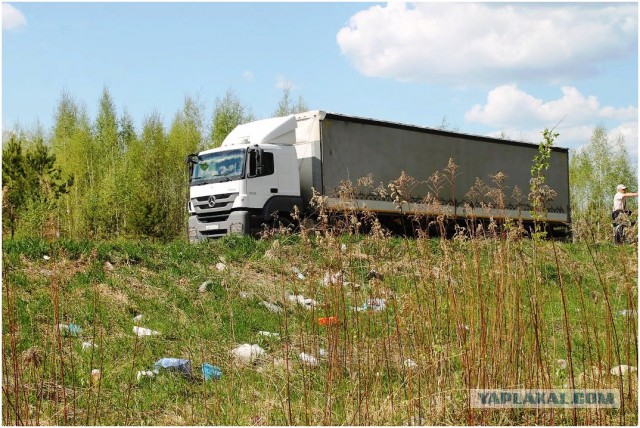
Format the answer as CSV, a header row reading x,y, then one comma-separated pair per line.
x,y
458,314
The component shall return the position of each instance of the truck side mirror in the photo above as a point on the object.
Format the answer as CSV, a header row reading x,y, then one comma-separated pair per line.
x,y
191,160
190,170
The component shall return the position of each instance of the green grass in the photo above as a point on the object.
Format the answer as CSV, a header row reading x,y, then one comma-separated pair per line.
x,y
479,313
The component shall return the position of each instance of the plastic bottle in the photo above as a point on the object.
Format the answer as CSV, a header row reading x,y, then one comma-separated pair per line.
x,y
176,364
95,377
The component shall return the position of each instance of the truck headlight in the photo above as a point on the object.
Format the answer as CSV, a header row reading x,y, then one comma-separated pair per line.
x,y
190,208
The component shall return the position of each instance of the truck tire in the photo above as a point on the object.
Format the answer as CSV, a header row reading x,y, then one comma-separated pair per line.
x,y
281,220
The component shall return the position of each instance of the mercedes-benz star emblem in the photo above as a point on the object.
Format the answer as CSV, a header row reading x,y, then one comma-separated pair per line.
x,y
212,201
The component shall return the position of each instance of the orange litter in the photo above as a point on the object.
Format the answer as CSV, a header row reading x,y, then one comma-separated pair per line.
x,y
328,321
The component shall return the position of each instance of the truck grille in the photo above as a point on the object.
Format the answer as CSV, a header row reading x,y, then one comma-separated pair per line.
x,y
205,213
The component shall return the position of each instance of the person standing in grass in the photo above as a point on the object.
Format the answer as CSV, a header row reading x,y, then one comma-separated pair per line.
x,y
619,207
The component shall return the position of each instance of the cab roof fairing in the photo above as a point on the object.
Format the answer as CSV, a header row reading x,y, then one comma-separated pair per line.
x,y
278,130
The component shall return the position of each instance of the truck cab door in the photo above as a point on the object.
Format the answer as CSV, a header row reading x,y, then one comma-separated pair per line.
x,y
262,177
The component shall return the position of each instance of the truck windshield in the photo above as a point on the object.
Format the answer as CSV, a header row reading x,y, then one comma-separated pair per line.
x,y
219,166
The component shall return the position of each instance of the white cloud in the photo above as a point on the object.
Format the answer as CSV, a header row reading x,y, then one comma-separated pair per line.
x,y
521,115
466,42
629,130
283,83
12,18
248,76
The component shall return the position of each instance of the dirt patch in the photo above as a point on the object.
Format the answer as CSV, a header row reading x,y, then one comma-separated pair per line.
x,y
112,294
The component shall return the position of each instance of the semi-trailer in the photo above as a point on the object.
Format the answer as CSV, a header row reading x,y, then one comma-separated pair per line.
x,y
265,168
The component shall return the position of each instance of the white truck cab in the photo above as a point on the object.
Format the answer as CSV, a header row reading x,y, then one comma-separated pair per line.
x,y
241,185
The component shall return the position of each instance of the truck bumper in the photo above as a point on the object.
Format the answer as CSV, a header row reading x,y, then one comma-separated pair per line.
x,y
237,222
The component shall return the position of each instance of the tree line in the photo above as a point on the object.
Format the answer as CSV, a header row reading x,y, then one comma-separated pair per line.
x,y
594,172
102,178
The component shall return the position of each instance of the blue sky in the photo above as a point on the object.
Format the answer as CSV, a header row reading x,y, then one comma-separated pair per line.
x,y
487,68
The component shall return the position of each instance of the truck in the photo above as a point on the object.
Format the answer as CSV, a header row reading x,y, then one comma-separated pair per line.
x,y
265,169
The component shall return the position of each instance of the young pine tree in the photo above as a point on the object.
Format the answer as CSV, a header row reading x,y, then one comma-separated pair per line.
x,y
108,162
72,143
14,183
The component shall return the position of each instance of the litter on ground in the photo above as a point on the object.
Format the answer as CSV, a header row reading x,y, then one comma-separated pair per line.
x,y
247,354
308,360
146,373
376,305
88,345
415,421
327,321
96,374
271,307
332,278
69,329
203,287
410,364
301,300
211,372
299,274
623,370
141,331
175,364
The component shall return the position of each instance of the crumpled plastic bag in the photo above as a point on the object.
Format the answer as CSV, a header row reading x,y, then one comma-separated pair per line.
x,y
303,301
298,273
70,329
332,278
271,307
141,331
376,305
146,373
211,372
247,354
309,360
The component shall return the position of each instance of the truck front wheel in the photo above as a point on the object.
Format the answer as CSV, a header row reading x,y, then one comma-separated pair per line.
x,y
280,221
